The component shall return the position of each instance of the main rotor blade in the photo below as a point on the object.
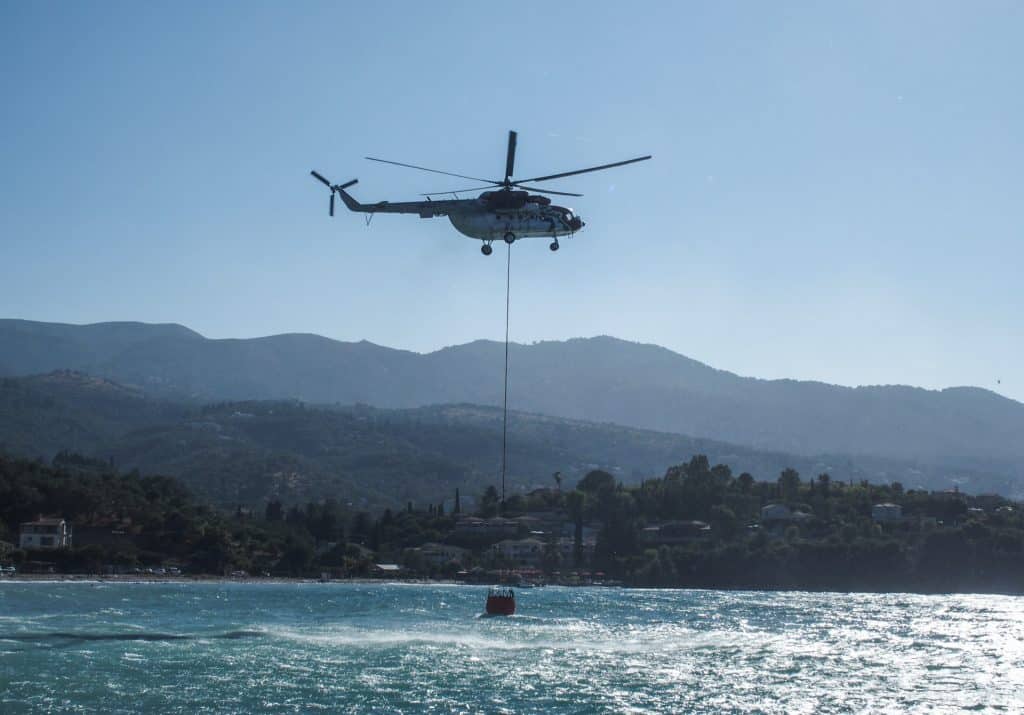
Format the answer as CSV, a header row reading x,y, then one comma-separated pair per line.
x,y
320,178
461,191
433,171
593,168
331,211
510,158
545,191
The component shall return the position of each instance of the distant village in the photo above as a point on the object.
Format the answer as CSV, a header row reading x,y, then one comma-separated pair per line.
x,y
696,526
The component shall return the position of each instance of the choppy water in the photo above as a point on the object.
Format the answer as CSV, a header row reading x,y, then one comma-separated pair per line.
x,y
205,647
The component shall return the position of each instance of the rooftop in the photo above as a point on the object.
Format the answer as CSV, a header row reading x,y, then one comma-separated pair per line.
x,y
47,521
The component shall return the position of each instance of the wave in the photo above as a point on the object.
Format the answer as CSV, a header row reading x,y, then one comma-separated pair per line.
x,y
72,636
526,637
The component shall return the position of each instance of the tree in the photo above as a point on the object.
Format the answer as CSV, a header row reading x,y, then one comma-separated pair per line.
x,y
575,503
596,481
824,483
489,502
324,526
274,511
297,556
212,554
361,528
699,464
789,485
295,517
551,557
746,482
723,521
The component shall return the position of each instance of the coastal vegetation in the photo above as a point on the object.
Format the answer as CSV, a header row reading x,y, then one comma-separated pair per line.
x,y
698,525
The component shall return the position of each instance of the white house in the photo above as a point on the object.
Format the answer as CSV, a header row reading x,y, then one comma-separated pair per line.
x,y
674,532
486,528
49,533
441,554
886,512
776,512
522,552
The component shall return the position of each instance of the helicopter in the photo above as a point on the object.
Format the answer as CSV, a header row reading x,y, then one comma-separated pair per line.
x,y
506,209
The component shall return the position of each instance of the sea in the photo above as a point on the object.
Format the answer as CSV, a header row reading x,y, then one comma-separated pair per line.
x,y
210,647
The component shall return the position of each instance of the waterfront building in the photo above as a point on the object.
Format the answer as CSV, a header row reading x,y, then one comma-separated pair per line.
x,y
45,533
522,552
886,513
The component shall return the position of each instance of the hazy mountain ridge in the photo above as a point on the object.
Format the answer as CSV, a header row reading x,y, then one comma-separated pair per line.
x,y
599,379
248,452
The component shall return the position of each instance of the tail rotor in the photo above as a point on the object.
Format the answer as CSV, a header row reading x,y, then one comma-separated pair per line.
x,y
335,188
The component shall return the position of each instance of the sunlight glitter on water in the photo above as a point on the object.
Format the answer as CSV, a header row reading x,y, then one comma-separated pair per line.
x,y
401,648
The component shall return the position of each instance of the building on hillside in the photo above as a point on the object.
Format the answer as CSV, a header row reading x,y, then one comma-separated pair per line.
x,y
953,494
674,532
988,502
441,554
776,518
521,552
494,528
886,513
589,532
567,550
323,547
548,521
776,512
45,533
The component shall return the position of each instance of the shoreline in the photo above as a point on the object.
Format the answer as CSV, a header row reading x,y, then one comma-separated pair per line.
x,y
283,580
134,578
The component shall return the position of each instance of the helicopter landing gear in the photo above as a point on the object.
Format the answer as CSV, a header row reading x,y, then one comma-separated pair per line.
x,y
510,238
486,249
554,245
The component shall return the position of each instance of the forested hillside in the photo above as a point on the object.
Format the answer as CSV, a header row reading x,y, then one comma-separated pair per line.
x,y
249,452
598,379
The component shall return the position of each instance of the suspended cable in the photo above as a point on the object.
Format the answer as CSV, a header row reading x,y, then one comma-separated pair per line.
x,y
504,409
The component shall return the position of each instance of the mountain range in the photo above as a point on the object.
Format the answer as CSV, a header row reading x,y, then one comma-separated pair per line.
x,y
601,379
249,452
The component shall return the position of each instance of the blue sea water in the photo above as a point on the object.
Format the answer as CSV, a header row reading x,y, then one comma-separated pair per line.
x,y
369,648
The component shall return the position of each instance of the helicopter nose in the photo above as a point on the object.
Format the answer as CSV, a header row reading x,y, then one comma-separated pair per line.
x,y
577,223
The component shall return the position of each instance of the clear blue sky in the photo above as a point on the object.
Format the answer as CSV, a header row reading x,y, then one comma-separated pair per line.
x,y
836,192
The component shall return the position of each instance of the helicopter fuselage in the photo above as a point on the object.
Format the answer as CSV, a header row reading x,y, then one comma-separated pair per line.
x,y
478,219
494,215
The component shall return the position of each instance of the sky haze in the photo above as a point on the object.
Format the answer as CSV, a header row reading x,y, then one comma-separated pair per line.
x,y
835,192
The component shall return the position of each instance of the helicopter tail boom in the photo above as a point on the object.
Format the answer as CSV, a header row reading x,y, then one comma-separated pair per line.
x,y
426,209
350,202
